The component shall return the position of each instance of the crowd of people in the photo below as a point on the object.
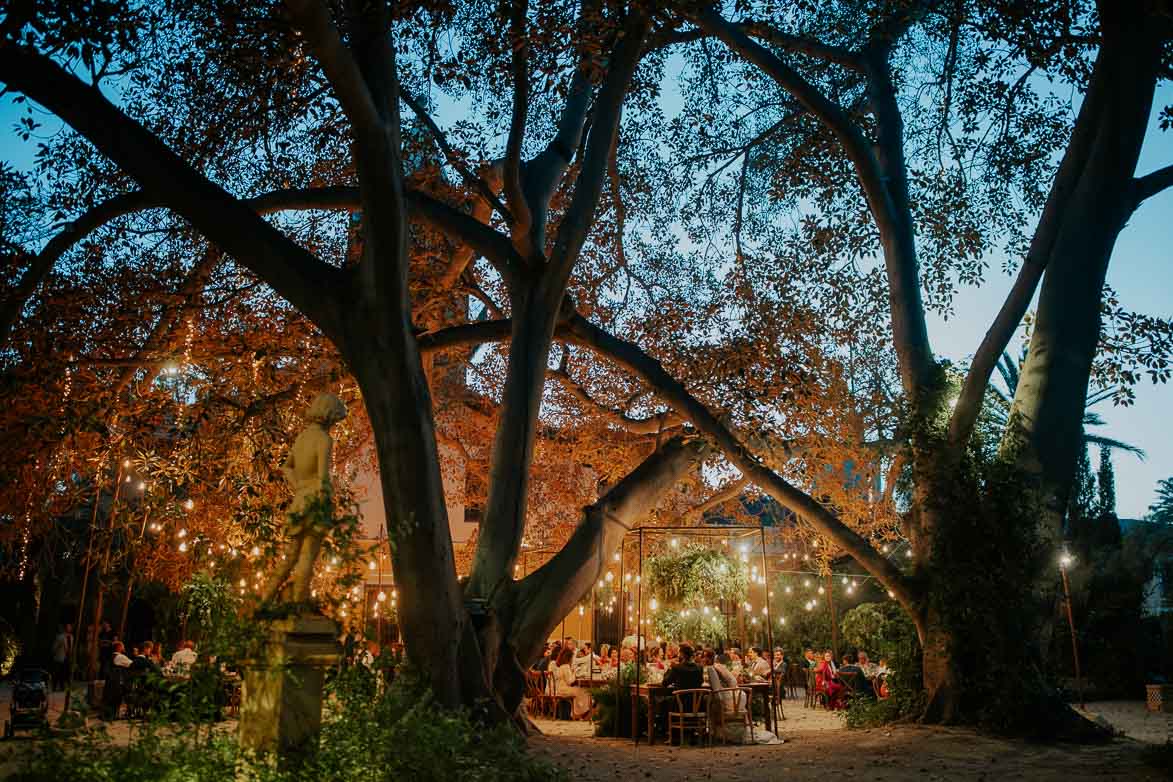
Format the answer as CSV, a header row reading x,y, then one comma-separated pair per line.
x,y
101,653
853,674
572,666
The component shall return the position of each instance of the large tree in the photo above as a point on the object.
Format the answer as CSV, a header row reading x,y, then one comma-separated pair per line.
x,y
841,70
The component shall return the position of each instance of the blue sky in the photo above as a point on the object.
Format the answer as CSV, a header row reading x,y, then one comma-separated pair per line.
x,y
1141,272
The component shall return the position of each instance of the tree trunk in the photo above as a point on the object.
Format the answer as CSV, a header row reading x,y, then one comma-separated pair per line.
x,y
431,606
527,611
1045,432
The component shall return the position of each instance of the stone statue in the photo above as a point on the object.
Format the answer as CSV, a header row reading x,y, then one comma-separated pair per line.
x,y
308,471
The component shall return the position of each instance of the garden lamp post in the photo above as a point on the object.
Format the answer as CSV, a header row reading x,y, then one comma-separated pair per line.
x,y
1065,561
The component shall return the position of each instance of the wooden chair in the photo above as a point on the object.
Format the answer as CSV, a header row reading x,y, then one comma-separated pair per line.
x,y
232,695
537,701
847,679
691,713
813,696
779,692
721,717
793,679
555,700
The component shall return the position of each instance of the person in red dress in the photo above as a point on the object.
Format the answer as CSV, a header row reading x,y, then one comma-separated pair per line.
x,y
827,682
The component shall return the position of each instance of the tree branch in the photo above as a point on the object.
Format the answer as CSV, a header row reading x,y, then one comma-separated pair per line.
x,y
550,592
478,184
803,45
1152,183
312,18
634,359
577,330
519,43
497,249
297,275
730,491
652,425
572,230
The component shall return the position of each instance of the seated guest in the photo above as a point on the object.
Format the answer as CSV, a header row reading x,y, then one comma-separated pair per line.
x,y
868,667
156,655
686,674
734,655
779,660
672,654
809,660
120,659
757,665
728,708
860,683
654,661
562,683
185,656
142,661
548,661
627,655
614,659
583,662
827,682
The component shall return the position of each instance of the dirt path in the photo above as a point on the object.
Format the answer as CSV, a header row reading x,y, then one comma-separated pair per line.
x,y
815,750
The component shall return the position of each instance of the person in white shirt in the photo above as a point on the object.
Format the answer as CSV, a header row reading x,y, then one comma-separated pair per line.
x,y
184,658
120,658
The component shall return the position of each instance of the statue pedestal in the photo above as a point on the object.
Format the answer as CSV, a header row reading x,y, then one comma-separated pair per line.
x,y
281,704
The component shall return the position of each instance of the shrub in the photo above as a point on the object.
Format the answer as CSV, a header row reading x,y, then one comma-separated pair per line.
x,y
397,735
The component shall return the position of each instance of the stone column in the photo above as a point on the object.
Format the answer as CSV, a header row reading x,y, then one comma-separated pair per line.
x,y
281,701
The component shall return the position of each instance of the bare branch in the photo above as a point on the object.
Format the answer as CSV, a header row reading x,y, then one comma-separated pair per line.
x,y
470,178
312,18
1152,183
519,42
662,422
803,45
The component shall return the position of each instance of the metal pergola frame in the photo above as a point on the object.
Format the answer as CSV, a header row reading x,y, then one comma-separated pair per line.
x,y
726,531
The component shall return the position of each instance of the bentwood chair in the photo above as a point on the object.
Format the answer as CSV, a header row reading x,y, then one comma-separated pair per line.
x,y
779,692
537,701
691,714
730,706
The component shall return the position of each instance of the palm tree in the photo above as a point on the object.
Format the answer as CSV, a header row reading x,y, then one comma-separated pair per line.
x,y
1000,401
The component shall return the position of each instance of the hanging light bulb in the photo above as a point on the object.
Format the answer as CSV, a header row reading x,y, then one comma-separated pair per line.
x,y
188,504
371,565
183,533
381,597
821,591
654,604
183,547
256,551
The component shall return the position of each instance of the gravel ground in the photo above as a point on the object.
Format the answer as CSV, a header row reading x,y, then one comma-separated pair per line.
x,y
819,748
